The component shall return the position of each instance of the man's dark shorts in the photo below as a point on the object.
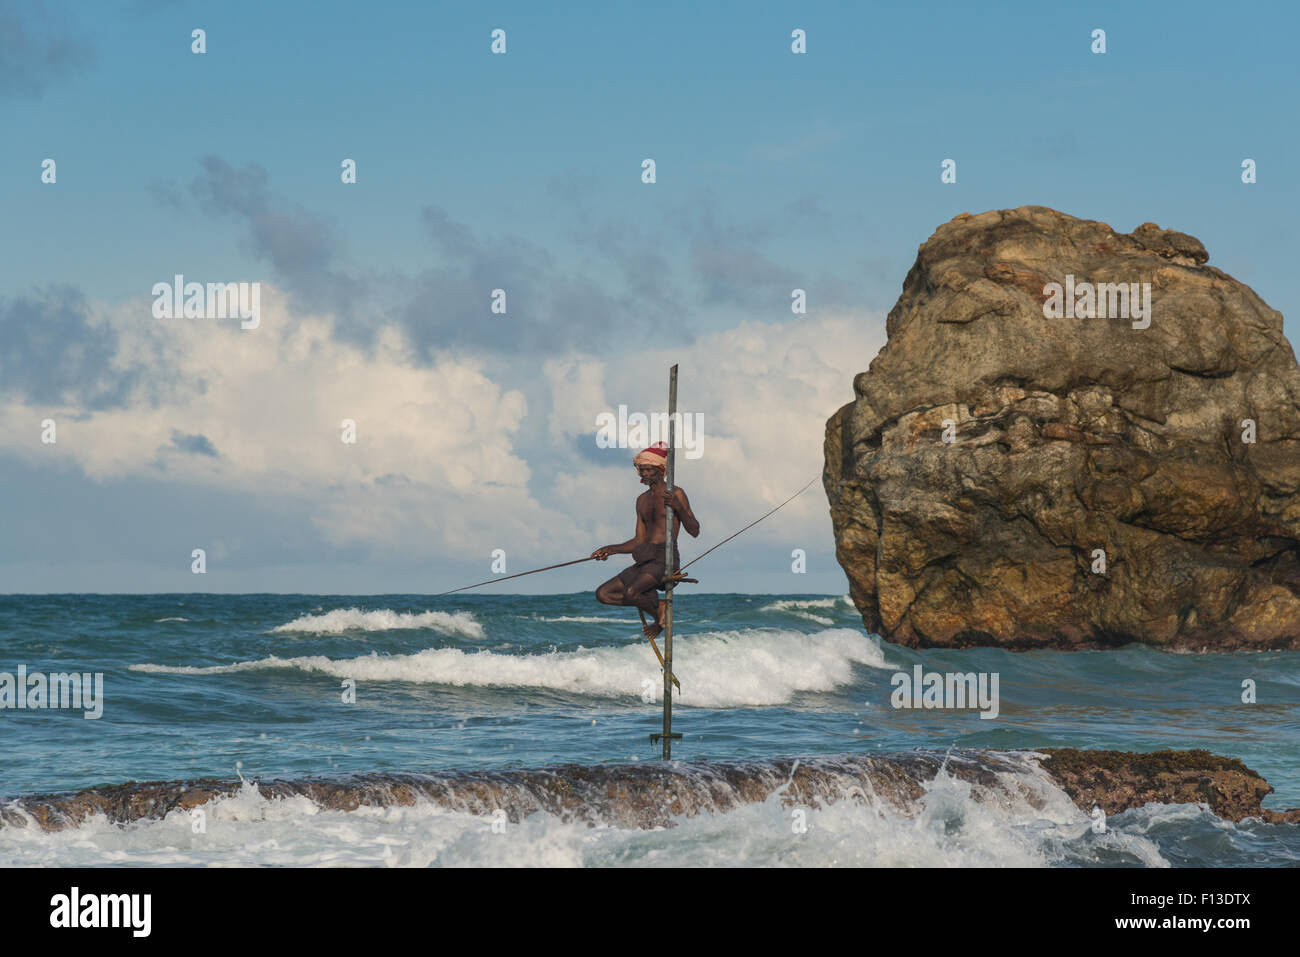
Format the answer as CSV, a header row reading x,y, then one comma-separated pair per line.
x,y
650,560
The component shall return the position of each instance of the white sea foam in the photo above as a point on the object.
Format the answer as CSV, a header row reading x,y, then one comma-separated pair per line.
x,y
156,620
835,601
341,620
729,669
800,607
953,828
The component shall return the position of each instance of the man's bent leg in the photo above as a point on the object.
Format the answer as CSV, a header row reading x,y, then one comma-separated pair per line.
x,y
643,595
615,591
611,593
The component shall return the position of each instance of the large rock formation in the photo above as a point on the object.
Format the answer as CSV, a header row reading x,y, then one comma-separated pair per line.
x,y
1098,486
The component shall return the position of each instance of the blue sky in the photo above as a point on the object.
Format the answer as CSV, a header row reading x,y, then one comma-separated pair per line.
x,y
523,171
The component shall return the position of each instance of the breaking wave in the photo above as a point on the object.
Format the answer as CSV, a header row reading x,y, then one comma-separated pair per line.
x,y
750,668
801,607
917,809
354,619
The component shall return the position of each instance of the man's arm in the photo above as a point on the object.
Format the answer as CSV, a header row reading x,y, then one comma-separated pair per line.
x,y
623,548
681,506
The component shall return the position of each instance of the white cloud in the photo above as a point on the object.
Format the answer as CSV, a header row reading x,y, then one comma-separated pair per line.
x,y
434,461
437,466
765,390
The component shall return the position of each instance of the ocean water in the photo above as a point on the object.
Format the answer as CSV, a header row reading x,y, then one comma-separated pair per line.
x,y
221,686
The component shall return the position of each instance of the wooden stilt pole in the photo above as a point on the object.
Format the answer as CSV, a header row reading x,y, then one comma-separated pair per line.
x,y
671,566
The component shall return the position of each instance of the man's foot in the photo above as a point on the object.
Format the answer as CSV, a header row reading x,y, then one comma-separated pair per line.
x,y
651,630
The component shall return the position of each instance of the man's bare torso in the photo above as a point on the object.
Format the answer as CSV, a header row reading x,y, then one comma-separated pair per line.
x,y
652,512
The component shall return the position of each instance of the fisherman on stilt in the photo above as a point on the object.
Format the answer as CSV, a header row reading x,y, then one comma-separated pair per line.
x,y
639,585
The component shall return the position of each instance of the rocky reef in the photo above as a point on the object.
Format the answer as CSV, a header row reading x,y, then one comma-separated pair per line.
x,y
1073,438
653,794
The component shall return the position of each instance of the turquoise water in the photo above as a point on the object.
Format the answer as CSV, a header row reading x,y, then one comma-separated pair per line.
x,y
215,685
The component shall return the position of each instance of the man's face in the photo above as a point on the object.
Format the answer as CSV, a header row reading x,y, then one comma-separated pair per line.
x,y
649,473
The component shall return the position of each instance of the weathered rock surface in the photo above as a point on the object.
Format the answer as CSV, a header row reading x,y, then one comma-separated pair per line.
x,y
1118,781
1069,436
649,795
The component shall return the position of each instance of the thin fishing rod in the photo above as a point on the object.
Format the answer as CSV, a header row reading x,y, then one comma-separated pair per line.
x,y
576,561
589,558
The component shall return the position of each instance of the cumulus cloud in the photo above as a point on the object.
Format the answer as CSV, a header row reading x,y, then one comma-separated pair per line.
x,y
434,464
473,432
447,459
58,350
765,391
